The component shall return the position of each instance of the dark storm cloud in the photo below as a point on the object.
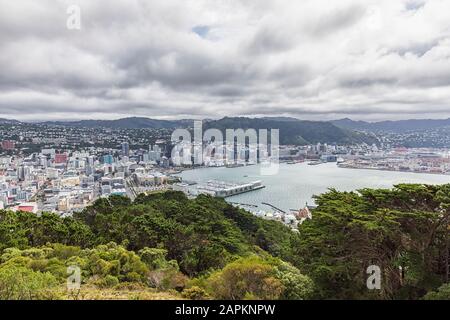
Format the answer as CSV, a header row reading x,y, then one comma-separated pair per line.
x,y
212,58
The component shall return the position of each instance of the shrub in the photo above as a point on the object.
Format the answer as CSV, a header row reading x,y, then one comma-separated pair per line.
x,y
132,277
64,252
246,277
9,254
107,282
154,258
20,283
195,293
443,293
38,265
167,279
296,285
115,260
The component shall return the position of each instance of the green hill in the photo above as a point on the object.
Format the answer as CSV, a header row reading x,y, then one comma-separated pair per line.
x,y
297,132
168,246
292,131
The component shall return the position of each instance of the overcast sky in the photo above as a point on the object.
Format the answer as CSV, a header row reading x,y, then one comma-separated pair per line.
x,y
311,59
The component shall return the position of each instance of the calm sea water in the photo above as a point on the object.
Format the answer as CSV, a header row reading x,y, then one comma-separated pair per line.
x,y
295,184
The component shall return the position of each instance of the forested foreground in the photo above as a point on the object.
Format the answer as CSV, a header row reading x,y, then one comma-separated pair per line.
x,y
165,246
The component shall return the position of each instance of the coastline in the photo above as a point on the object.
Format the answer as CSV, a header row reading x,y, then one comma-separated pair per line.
x,y
338,166
387,170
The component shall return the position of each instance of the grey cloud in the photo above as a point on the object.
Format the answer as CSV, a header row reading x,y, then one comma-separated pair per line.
x,y
337,20
360,83
271,40
419,48
414,5
171,58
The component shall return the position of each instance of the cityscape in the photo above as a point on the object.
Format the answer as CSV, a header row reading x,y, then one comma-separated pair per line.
x,y
224,159
61,169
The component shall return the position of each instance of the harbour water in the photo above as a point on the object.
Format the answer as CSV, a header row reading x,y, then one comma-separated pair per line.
x,y
295,184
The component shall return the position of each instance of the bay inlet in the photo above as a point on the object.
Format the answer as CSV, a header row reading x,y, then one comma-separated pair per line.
x,y
296,184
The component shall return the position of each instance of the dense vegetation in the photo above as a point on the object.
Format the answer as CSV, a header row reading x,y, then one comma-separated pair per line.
x,y
297,132
404,231
162,241
165,244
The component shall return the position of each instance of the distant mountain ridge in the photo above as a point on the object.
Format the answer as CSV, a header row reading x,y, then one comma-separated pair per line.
x,y
392,126
8,121
143,122
296,132
125,123
292,131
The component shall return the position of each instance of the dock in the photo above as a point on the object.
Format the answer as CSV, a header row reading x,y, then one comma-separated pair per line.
x,y
244,204
223,189
273,207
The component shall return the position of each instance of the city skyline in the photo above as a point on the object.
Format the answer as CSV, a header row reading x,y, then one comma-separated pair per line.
x,y
244,151
25,118
314,60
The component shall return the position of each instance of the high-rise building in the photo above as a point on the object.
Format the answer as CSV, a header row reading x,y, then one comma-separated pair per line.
x,y
89,165
155,153
125,149
23,172
108,159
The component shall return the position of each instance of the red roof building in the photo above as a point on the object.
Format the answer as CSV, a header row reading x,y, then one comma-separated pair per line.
x,y
60,158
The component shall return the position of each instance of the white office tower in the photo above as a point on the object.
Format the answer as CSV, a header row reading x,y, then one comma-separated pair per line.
x,y
125,149
155,153
23,173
